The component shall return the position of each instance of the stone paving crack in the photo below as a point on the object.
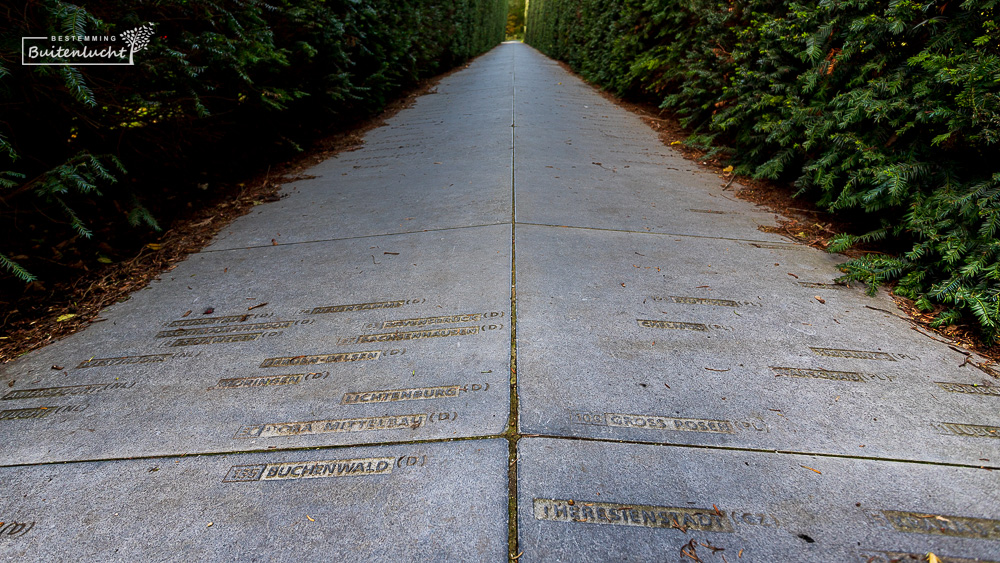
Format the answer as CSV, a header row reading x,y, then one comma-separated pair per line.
x,y
764,451
338,239
771,244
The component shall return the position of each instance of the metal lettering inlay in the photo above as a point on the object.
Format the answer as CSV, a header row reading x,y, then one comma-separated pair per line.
x,y
224,329
310,469
993,390
426,321
776,245
818,285
392,156
415,334
14,529
38,412
966,430
653,422
267,380
649,516
667,423
356,307
46,392
677,325
820,374
391,422
702,301
685,300
20,414
123,360
227,339
858,354
321,359
212,320
941,525
393,395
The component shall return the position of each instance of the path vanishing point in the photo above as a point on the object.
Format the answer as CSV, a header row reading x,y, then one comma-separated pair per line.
x,y
513,325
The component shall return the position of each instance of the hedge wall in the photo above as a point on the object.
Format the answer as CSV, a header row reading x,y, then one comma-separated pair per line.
x,y
222,81
887,109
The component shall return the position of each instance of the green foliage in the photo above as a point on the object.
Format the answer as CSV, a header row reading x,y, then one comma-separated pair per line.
x,y
515,19
16,269
889,110
79,175
221,80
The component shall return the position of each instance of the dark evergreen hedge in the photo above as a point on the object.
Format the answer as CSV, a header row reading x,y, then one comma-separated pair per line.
x,y
890,109
222,81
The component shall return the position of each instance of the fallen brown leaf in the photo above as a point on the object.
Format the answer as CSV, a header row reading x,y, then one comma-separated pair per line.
x,y
690,551
712,547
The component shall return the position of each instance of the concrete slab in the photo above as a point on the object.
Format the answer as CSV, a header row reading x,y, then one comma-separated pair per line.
x,y
443,163
414,198
653,338
393,503
585,162
588,501
368,340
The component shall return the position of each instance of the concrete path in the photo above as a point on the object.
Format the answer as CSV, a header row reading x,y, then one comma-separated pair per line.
x,y
560,338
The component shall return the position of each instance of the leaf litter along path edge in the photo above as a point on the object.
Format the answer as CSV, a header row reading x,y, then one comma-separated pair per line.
x,y
32,320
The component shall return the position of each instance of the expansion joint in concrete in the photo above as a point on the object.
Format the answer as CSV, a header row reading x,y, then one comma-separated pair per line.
x,y
234,452
512,432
